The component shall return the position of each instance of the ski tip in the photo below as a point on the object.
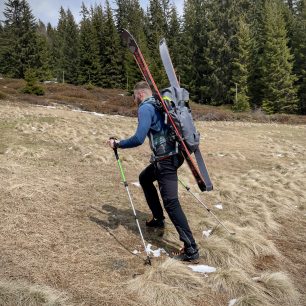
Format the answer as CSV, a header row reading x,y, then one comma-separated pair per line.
x,y
124,33
162,41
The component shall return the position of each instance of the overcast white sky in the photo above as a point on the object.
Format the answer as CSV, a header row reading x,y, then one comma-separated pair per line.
x,y
48,10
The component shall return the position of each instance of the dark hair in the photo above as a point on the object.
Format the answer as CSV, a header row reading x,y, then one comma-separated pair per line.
x,y
142,85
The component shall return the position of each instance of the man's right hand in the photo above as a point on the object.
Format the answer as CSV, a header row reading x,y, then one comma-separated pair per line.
x,y
113,143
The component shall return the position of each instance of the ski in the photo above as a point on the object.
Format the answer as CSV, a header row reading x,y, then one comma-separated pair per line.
x,y
133,47
166,59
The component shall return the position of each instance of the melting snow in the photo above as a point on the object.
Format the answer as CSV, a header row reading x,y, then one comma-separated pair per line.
x,y
136,184
92,113
219,206
232,302
207,233
45,106
202,268
156,253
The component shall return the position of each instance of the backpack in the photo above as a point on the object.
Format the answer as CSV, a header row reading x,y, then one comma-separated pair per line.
x,y
177,101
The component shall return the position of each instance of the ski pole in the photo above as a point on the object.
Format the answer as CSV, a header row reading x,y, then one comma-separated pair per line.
x,y
148,260
199,200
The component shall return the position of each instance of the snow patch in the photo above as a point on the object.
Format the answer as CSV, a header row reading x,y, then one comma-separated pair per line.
x,y
46,106
86,112
207,233
202,268
136,184
155,253
136,252
279,155
232,302
219,206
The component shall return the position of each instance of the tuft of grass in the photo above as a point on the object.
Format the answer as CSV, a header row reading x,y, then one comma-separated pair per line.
x,y
252,300
18,293
169,283
216,252
233,281
280,288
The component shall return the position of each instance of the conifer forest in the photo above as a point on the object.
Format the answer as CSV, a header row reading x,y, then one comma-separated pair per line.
x,y
248,54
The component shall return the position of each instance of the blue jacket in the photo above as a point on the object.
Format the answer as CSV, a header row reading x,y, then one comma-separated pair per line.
x,y
149,121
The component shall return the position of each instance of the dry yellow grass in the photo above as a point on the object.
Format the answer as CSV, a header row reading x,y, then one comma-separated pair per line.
x,y
66,222
169,283
16,293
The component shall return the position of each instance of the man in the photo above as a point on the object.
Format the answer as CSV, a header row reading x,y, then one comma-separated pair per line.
x,y
163,168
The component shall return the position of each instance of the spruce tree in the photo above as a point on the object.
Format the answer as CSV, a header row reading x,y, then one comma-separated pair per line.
x,y
112,69
4,49
51,39
241,67
185,65
130,16
212,56
58,45
299,50
157,29
20,26
98,25
174,37
70,49
278,90
256,83
44,70
90,70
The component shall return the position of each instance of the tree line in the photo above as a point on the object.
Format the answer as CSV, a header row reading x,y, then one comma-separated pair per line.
x,y
245,53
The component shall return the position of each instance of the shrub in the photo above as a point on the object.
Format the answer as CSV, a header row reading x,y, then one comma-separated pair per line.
x,y
31,86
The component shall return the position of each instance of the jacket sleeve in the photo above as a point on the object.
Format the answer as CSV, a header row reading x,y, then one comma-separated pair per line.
x,y
145,116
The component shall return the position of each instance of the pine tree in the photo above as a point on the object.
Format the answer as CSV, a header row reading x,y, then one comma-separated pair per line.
x,y
44,70
58,45
299,50
70,49
157,29
212,56
174,37
90,70
51,39
279,93
98,28
185,66
112,69
130,15
241,67
258,39
20,28
4,49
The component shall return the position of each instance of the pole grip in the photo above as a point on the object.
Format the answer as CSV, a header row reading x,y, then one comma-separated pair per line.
x,y
116,153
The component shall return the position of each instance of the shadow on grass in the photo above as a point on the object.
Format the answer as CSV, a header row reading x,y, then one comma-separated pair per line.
x,y
126,218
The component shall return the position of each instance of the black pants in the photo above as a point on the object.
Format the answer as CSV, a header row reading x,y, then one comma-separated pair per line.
x,y
165,172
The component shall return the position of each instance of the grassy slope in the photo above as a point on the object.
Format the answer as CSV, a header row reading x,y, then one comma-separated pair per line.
x,y
62,203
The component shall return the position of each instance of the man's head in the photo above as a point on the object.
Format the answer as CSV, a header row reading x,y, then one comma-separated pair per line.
x,y
141,92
